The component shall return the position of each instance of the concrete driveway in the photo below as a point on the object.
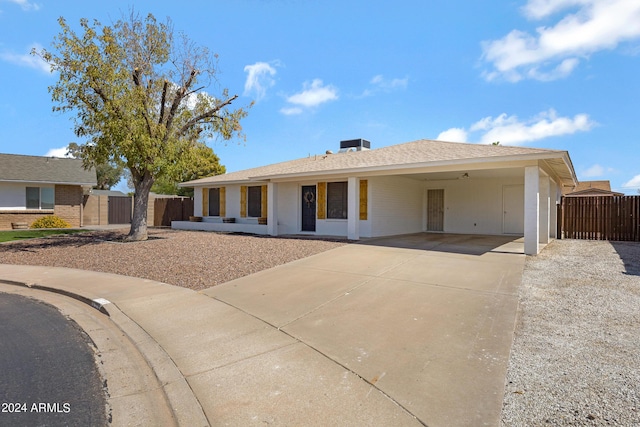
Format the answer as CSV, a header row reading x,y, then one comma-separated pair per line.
x,y
426,319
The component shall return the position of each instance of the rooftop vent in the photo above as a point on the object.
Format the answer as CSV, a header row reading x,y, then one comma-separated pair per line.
x,y
354,145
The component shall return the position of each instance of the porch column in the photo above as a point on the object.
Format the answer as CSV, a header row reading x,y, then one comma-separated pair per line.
x,y
545,206
531,210
272,208
353,215
553,209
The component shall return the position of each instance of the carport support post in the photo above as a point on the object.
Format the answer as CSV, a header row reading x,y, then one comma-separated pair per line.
x,y
531,210
272,208
353,214
553,206
545,206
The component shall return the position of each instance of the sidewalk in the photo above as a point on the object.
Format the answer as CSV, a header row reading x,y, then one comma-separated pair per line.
x,y
218,365
358,335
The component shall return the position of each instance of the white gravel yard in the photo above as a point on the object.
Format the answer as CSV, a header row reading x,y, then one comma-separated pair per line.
x,y
576,354
191,259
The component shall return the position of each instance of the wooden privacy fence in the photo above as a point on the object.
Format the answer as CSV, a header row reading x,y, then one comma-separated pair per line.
x,y
120,209
601,218
166,210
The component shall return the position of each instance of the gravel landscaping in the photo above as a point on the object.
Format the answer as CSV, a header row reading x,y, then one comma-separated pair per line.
x,y
575,360
191,259
576,355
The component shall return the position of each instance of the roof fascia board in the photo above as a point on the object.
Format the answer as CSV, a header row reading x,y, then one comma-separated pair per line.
x,y
20,181
213,184
425,167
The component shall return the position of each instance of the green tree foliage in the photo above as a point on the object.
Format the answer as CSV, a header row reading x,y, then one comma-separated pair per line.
x,y
108,174
137,93
206,163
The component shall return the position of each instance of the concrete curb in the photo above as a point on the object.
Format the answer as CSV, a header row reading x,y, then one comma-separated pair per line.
x,y
181,400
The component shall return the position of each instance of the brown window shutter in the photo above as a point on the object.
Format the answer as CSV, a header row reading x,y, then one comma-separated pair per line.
x,y
322,200
243,201
363,199
223,202
263,201
205,202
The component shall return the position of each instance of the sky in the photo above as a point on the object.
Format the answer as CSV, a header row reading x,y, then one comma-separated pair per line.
x,y
556,74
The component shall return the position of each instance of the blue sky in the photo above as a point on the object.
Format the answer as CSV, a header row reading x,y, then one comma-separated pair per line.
x,y
557,74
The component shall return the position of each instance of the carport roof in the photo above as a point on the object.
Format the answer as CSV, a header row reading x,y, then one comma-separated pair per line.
x,y
417,154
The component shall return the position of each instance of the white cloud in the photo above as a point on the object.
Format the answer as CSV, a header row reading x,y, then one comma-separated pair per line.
x,y
385,84
554,51
312,95
57,152
593,172
26,59
632,183
510,130
453,135
259,78
26,5
291,111
380,84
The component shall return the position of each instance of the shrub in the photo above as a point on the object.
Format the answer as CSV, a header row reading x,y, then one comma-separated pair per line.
x,y
50,221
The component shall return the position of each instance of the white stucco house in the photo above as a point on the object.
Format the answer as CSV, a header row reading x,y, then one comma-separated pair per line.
x,y
418,186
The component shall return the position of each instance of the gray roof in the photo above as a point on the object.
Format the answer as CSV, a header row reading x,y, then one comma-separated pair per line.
x,y
53,170
116,193
417,154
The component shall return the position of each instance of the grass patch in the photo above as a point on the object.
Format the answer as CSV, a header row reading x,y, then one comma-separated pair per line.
x,y
11,235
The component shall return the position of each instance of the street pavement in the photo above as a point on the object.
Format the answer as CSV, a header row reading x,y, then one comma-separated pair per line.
x,y
411,330
48,375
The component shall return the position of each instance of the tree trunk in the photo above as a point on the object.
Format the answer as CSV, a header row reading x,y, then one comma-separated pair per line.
x,y
140,202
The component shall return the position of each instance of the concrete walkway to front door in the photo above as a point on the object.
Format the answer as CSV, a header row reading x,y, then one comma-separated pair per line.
x,y
427,319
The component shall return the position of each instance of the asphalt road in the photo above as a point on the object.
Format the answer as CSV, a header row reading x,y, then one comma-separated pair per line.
x,y
47,371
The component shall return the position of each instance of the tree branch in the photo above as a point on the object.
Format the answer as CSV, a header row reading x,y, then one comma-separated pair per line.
x,y
179,97
207,115
164,99
137,83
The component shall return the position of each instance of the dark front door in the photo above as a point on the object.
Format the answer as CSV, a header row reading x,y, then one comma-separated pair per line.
x,y
308,208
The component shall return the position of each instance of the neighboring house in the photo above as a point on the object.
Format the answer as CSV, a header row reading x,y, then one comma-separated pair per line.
x,y
592,188
417,186
32,187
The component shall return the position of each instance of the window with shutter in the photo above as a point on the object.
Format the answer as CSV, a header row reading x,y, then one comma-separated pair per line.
x,y
254,201
214,202
337,200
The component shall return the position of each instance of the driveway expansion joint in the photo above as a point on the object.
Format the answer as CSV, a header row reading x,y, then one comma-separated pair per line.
x,y
326,356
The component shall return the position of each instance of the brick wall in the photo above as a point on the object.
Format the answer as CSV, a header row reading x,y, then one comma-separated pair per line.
x,y
28,216
68,204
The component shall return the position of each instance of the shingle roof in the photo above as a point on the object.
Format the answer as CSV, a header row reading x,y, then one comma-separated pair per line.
x,y
15,167
588,185
592,188
417,153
